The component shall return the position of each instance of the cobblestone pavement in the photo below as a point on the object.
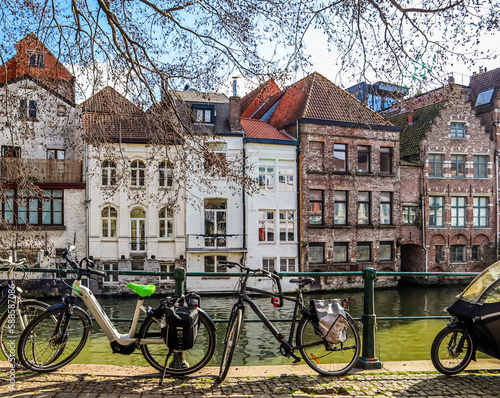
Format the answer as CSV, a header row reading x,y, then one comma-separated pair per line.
x,y
388,384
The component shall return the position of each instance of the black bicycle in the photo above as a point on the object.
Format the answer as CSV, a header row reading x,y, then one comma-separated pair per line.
x,y
323,356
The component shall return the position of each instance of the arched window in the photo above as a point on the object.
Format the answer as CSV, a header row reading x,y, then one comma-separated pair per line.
x,y
108,169
137,173
166,222
109,217
166,174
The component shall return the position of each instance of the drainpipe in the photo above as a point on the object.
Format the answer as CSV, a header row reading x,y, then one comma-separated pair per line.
x,y
497,202
423,234
243,194
299,209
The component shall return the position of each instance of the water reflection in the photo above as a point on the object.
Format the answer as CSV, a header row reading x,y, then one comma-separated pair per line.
x,y
395,340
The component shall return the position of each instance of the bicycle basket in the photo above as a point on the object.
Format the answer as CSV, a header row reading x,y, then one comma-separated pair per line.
x,y
331,319
179,325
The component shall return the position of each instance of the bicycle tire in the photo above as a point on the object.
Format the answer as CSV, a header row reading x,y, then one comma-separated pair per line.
x,y
195,358
326,358
230,341
44,349
29,309
444,356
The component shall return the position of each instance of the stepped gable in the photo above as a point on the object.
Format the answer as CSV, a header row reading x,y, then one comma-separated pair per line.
x,y
255,128
316,97
254,100
108,115
412,134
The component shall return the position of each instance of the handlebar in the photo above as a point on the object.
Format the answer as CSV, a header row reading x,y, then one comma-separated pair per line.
x,y
88,264
13,266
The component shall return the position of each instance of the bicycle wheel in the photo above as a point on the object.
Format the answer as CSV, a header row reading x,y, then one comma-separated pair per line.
x,y
28,310
446,355
44,347
326,358
180,362
230,341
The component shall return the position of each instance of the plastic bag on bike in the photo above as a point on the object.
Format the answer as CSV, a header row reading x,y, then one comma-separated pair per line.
x,y
331,319
179,325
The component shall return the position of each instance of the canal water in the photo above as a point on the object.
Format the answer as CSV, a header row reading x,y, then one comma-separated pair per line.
x,y
396,340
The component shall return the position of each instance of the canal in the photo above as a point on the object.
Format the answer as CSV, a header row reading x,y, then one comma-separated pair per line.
x,y
395,340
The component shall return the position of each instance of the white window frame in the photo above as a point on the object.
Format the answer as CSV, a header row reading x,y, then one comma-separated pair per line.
x,y
110,278
285,264
267,225
269,264
285,224
286,176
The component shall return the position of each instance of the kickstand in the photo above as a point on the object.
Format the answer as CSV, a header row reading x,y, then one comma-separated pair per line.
x,y
165,368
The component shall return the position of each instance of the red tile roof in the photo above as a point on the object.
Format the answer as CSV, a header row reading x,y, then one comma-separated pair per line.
x,y
316,97
255,98
259,129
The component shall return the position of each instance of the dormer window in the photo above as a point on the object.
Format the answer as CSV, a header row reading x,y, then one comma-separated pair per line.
x,y
36,59
484,97
204,113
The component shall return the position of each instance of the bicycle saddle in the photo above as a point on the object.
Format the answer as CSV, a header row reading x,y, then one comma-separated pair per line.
x,y
142,290
305,281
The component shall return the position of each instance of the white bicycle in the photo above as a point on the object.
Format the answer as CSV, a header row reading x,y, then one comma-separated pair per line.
x,y
45,346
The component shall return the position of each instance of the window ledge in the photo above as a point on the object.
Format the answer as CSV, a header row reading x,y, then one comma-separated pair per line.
x,y
364,173
344,173
387,175
342,226
365,226
166,240
388,226
318,226
165,188
317,172
138,187
34,227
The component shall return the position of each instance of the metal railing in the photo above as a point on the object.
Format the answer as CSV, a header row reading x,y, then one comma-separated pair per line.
x,y
367,360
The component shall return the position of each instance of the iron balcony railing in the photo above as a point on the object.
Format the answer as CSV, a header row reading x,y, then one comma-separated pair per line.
x,y
138,244
215,242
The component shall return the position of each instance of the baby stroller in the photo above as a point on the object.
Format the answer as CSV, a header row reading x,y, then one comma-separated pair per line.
x,y
475,325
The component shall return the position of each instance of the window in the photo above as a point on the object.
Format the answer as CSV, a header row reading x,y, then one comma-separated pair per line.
x,y
457,253
458,166
480,212
137,173
108,170
316,155
36,59
11,151
109,217
268,264
266,177
315,207
363,158
287,225
364,205
287,265
409,215
8,202
55,154
61,110
137,265
215,159
385,251
204,113
457,130
138,229
340,157
436,208
27,109
165,174
166,223
385,160
215,222
286,177
52,207
439,253
435,165
364,252
110,277
476,253
316,253
340,252
166,267
212,264
266,226
480,165
340,208
458,211
484,97
386,208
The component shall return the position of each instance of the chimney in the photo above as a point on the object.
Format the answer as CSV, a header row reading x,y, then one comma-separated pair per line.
x,y
235,113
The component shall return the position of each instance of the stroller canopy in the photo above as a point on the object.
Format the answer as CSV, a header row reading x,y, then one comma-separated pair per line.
x,y
485,288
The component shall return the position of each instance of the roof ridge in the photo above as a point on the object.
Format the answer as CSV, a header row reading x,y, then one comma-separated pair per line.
x,y
308,97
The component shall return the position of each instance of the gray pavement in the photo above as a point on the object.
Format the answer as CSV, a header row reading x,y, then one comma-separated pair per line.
x,y
401,379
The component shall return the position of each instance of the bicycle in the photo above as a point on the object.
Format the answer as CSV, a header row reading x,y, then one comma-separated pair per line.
x,y
18,314
322,356
44,347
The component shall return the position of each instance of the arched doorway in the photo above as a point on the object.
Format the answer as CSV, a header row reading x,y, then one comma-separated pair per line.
x,y
412,258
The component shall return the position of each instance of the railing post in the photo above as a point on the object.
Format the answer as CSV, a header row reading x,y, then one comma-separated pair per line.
x,y
180,278
367,359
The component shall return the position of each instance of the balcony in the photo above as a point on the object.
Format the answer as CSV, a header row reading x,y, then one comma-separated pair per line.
x,y
41,170
138,245
215,243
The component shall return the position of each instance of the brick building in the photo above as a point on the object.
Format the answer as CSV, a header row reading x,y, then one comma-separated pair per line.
x,y
349,178
447,182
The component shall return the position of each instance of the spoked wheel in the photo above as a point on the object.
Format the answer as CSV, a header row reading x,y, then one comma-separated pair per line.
x,y
44,346
27,311
451,350
180,362
326,358
230,341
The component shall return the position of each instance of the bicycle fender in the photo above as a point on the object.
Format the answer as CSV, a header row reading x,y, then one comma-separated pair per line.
x,y
63,306
208,316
